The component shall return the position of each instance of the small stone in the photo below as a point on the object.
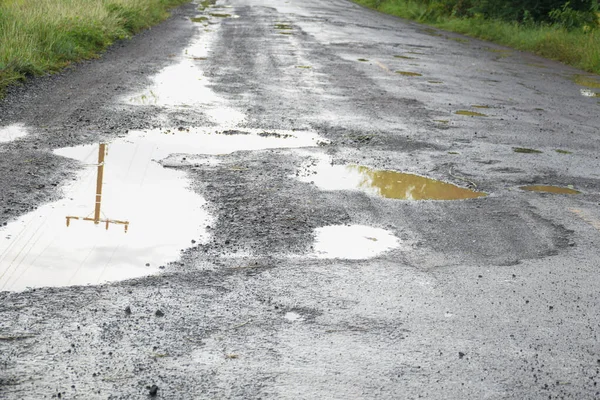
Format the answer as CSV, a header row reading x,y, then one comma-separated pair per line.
x,y
153,390
461,354
128,310
147,264
159,313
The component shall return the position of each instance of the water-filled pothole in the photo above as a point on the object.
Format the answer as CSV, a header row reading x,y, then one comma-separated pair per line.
x,y
589,93
144,216
549,189
352,242
12,132
588,81
408,73
525,150
469,113
382,183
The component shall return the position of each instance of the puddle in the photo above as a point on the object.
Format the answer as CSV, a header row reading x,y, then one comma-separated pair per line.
x,y
588,81
145,215
431,32
503,53
381,183
479,106
441,121
363,60
563,151
285,33
406,57
589,93
199,19
283,27
408,73
352,242
219,15
549,189
435,82
12,132
469,113
206,4
166,91
526,150
293,317
304,66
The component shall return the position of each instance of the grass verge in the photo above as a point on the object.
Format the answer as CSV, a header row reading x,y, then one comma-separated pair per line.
x,y
41,36
578,48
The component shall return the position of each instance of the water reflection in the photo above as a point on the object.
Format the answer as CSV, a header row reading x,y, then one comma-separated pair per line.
x,y
382,183
98,201
130,187
549,189
12,132
352,242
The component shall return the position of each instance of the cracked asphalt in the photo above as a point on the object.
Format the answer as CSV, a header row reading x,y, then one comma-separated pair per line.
x,y
495,297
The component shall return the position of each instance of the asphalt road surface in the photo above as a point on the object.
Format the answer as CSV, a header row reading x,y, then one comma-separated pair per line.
x,y
301,200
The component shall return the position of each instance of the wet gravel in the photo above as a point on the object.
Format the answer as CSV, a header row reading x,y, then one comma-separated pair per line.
x,y
485,298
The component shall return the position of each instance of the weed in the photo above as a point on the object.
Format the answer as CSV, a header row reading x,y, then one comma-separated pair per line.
x,y
41,36
557,39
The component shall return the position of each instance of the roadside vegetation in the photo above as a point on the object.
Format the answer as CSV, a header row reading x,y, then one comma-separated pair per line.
x,y
567,31
41,36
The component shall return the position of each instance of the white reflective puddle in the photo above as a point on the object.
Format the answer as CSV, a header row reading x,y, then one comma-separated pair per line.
x,y
12,132
161,214
353,242
183,85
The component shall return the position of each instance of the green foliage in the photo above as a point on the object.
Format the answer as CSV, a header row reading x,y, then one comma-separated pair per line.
x,y
569,33
41,36
569,18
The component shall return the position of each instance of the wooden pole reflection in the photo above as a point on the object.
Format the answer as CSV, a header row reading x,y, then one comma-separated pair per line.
x,y
98,203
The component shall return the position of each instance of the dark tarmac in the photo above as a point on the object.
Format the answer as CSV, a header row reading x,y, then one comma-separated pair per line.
x,y
321,202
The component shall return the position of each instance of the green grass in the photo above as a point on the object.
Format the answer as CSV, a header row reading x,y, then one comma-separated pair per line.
x,y
42,36
577,47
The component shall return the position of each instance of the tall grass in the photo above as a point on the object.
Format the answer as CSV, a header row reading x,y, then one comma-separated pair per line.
x,y
40,36
577,47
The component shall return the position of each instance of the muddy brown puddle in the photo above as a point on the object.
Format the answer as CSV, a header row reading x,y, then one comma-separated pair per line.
x,y
381,183
161,214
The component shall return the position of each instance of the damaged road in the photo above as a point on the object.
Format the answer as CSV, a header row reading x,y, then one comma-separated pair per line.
x,y
300,200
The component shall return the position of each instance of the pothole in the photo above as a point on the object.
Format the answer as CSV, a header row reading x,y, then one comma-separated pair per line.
x,y
352,242
408,73
525,150
12,132
469,113
381,183
292,316
140,219
549,189
589,81
589,93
